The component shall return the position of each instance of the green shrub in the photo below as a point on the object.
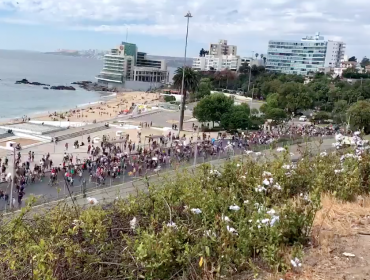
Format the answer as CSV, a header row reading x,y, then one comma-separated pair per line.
x,y
251,213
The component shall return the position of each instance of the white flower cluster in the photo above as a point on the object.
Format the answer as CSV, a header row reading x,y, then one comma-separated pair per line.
x,y
280,149
296,262
305,197
267,182
133,223
215,173
92,200
172,225
196,211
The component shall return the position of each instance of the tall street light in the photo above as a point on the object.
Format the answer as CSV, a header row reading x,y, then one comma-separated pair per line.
x,y
250,72
188,16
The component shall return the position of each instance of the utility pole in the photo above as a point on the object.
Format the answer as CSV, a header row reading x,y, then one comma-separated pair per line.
x,y
250,71
196,148
182,108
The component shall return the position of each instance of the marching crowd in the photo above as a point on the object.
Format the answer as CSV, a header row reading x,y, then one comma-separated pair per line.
x,y
125,157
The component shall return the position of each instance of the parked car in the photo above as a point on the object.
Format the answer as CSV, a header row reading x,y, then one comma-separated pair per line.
x,y
302,118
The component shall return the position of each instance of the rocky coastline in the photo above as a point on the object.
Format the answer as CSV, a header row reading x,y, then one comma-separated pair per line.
x,y
86,85
90,86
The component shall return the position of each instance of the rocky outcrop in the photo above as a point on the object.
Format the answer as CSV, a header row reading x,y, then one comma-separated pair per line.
x,y
62,88
26,82
90,86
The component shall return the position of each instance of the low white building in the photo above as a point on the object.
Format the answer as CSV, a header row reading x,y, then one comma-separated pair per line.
x,y
216,63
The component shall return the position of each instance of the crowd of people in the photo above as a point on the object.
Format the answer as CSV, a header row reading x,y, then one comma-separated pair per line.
x,y
112,159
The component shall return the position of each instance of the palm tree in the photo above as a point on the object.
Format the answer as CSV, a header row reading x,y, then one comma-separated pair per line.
x,y
256,55
262,55
191,83
264,60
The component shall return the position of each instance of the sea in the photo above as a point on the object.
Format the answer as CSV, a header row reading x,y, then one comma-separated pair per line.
x,y
27,100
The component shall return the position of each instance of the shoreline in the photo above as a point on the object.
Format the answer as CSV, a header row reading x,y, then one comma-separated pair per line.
x,y
106,108
104,97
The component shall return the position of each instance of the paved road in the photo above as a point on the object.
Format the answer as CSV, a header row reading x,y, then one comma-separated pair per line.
x,y
47,193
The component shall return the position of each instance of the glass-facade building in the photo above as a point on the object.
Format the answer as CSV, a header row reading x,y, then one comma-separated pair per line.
x,y
310,54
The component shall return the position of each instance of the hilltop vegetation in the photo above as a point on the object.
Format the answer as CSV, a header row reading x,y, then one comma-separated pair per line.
x,y
248,216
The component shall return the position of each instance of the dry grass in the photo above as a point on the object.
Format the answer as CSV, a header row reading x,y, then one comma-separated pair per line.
x,y
338,225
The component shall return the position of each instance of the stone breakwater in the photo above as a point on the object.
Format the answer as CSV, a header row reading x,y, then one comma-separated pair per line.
x,y
45,86
86,85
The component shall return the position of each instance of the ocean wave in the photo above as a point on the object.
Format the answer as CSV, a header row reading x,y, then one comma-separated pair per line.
x,y
88,104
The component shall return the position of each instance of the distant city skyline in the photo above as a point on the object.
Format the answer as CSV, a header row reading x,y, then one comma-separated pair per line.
x,y
159,27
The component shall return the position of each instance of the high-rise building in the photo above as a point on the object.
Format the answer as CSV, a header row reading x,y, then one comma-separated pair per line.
x,y
222,48
221,56
125,64
310,54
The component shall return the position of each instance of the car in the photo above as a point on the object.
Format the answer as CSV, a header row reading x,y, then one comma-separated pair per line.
x,y
302,118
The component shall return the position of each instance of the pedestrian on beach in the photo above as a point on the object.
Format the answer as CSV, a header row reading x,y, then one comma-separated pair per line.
x,y
66,145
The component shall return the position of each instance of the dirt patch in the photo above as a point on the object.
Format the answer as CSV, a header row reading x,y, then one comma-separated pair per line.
x,y
22,141
339,228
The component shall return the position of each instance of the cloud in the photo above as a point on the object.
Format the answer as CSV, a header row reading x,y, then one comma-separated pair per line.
x,y
247,23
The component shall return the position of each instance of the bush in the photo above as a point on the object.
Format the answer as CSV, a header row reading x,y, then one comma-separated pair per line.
x,y
213,222
169,98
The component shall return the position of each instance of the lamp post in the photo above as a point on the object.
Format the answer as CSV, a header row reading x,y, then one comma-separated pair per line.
x,y
250,72
188,16
13,179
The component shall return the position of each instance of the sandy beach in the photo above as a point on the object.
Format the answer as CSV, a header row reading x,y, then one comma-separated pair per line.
x,y
101,111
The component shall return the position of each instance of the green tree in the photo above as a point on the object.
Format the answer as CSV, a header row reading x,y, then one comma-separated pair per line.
x,y
191,84
359,116
364,62
276,114
237,118
204,89
339,111
169,98
352,58
212,107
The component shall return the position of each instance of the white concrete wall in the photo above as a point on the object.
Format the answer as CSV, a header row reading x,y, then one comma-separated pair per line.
x,y
61,123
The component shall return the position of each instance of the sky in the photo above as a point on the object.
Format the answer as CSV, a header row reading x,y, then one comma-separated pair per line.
x,y
158,27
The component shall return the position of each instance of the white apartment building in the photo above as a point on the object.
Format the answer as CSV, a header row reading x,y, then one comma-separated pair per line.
x,y
124,67
222,48
309,54
216,63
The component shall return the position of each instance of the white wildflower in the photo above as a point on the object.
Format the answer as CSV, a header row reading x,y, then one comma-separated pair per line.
x,y
172,225
234,208
238,165
337,171
271,212
133,223
260,189
271,180
274,219
243,177
291,154
277,186
258,153
265,221
280,149
266,174
286,166
266,182
323,154
231,230
259,226
250,221
296,262
196,211
248,152
92,200
246,201
215,172
225,219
